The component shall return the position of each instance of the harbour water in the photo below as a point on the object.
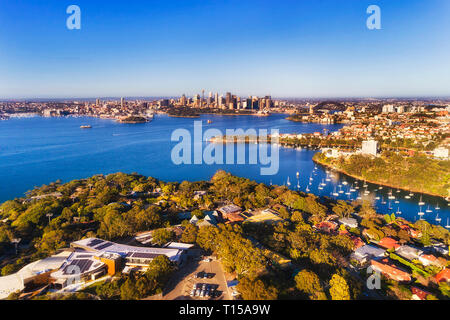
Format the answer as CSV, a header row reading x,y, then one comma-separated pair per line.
x,y
37,150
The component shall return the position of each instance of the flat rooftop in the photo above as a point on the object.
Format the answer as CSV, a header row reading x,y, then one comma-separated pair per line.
x,y
100,246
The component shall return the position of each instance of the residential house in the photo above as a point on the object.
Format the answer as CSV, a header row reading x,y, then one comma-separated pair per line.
x,y
443,276
349,222
367,252
389,270
389,243
326,226
408,252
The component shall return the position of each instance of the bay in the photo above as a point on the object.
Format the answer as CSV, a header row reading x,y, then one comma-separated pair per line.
x,y
38,150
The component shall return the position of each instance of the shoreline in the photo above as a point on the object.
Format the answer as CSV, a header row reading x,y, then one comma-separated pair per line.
x,y
326,165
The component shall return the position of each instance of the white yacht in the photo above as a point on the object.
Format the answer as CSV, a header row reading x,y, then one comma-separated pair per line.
x,y
335,193
421,203
421,213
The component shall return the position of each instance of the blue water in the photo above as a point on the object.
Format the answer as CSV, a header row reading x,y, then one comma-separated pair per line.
x,y
36,151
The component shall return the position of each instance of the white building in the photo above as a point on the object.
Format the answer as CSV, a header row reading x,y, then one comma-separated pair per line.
x,y
441,153
370,147
388,108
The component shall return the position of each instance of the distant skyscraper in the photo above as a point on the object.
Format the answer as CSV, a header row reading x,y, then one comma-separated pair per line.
x,y
228,99
210,98
97,102
122,100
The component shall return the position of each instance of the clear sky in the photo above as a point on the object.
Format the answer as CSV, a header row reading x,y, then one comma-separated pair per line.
x,y
298,48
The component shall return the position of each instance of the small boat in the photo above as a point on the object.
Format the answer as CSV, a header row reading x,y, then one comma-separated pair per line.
x,y
398,190
448,225
340,190
428,210
288,182
383,201
344,183
335,193
307,189
437,207
365,185
437,218
86,127
377,198
391,197
359,198
398,211
298,174
407,197
411,194
421,213
421,203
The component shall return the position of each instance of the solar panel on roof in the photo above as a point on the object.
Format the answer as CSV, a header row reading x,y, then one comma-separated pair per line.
x,y
94,242
77,266
145,255
103,246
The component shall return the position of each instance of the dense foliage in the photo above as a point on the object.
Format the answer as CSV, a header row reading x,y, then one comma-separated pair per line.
x,y
417,173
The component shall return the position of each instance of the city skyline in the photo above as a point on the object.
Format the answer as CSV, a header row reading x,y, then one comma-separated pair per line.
x,y
288,50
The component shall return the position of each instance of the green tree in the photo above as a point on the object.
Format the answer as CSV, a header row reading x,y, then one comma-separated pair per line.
x,y
189,234
256,290
308,282
162,236
339,289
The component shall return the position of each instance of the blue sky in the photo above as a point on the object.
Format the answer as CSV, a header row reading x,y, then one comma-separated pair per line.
x,y
309,48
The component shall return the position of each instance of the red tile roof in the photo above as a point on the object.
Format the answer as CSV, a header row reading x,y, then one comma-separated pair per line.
x,y
390,270
444,275
419,293
389,243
